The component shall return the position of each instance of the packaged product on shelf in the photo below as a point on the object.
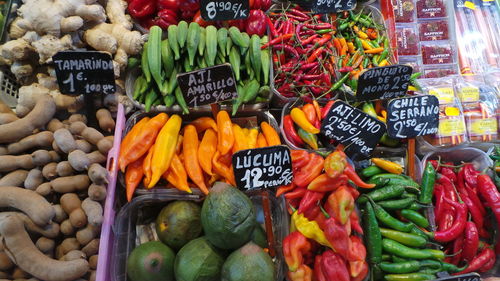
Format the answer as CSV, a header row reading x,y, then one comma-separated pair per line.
x,y
431,9
413,61
437,53
404,11
432,30
436,71
407,40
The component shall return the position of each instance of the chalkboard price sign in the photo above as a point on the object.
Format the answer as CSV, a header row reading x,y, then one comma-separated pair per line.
x,y
412,117
263,167
212,10
332,6
208,85
463,277
84,72
385,82
358,131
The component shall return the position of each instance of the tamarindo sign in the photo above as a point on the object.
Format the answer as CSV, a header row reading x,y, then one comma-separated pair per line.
x,y
84,72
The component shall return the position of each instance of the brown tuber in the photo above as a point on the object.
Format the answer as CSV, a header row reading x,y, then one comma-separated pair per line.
x,y
34,179
92,248
31,203
49,171
97,192
106,122
64,169
64,140
40,140
15,178
81,161
98,174
71,204
88,133
29,258
70,183
94,212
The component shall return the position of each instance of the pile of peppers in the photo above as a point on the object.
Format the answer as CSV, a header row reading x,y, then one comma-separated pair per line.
x,y
196,156
396,231
324,242
169,12
462,198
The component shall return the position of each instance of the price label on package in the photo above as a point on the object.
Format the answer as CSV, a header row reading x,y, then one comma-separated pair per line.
x,y
212,10
412,117
261,168
208,85
84,72
332,6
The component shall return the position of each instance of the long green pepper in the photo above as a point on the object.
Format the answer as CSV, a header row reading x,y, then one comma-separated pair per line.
x,y
428,180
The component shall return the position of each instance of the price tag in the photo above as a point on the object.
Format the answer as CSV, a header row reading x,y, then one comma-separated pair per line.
x,y
412,117
385,82
463,277
358,131
208,85
263,167
332,6
84,72
212,10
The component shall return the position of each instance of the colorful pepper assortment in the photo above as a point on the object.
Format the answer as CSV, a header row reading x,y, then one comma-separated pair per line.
x,y
462,197
190,47
201,152
324,240
170,12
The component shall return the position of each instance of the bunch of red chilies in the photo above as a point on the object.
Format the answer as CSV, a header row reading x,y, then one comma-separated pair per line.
x,y
303,53
458,193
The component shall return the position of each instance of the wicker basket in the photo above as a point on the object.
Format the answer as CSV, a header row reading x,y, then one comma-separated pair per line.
x,y
8,88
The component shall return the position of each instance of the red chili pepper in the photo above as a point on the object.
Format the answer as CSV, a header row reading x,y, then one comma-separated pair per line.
x,y
168,4
287,48
199,20
477,217
272,28
298,13
256,23
439,195
447,217
356,226
188,8
471,242
308,65
358,250
295,246
290,131
458,225
435,164
309,39
296,193
310,171
479,261
341,203
490,194
346,69
324,183
326,109
334,266
318,26
351,174
284,189
280,39
462,185
458,244
300,158
317,272
470,175
446,171
315,54
309,200
141,8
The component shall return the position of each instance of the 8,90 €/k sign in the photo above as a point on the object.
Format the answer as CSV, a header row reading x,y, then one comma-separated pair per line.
x,y
84,72
224,10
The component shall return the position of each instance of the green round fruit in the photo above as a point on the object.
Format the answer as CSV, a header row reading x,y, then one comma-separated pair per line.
x,y
248,263
198,260
178,223
227,217
151,261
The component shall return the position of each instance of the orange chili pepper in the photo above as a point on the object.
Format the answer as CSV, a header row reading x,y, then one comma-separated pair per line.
x,y
206,150
176,174
146,167
337,44
375,50
204,123
178,147
143,141
372,33
317,108
261,141
252,138
272,137
240,140
310,113
190,152
225,139
133,177
130,136
223,170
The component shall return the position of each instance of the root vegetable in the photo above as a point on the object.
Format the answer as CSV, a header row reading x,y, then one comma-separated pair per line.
x,y
70,184
87,234
41,140
41,157
34,179
97,192
94,211
50,230
64,140
6,118
5,262
45,245
60,214
73,255
81,161
93,261
88,133
71,204
77,117
92,248
106,122
64,169
67,228
98,174
15,178
44,189
37,118
105,144
25,254
55,125
84,146
31,203
49,171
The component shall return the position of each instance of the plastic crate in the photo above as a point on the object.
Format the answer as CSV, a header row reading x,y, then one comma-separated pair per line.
x,y
9,88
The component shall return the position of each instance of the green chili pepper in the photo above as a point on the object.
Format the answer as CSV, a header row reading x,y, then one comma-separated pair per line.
x,y
410,277
409,195
371,171
386,192
169,100
138,85
343,26
415,217
407,239
373,240
419,232
365,21
339,83
415,206
401,250
366,61
323,31
375,60
396,204
339,61
386,257
383,55
428,180
401,267
388,220
398,259
310,139
358,43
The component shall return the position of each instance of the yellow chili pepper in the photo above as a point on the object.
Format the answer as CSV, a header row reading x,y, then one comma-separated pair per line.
x,y
207,149
365,44
299,117
225,132
252,138
383,63
351,48
164,148
310,229
272,137
389,166
362,35
240,141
